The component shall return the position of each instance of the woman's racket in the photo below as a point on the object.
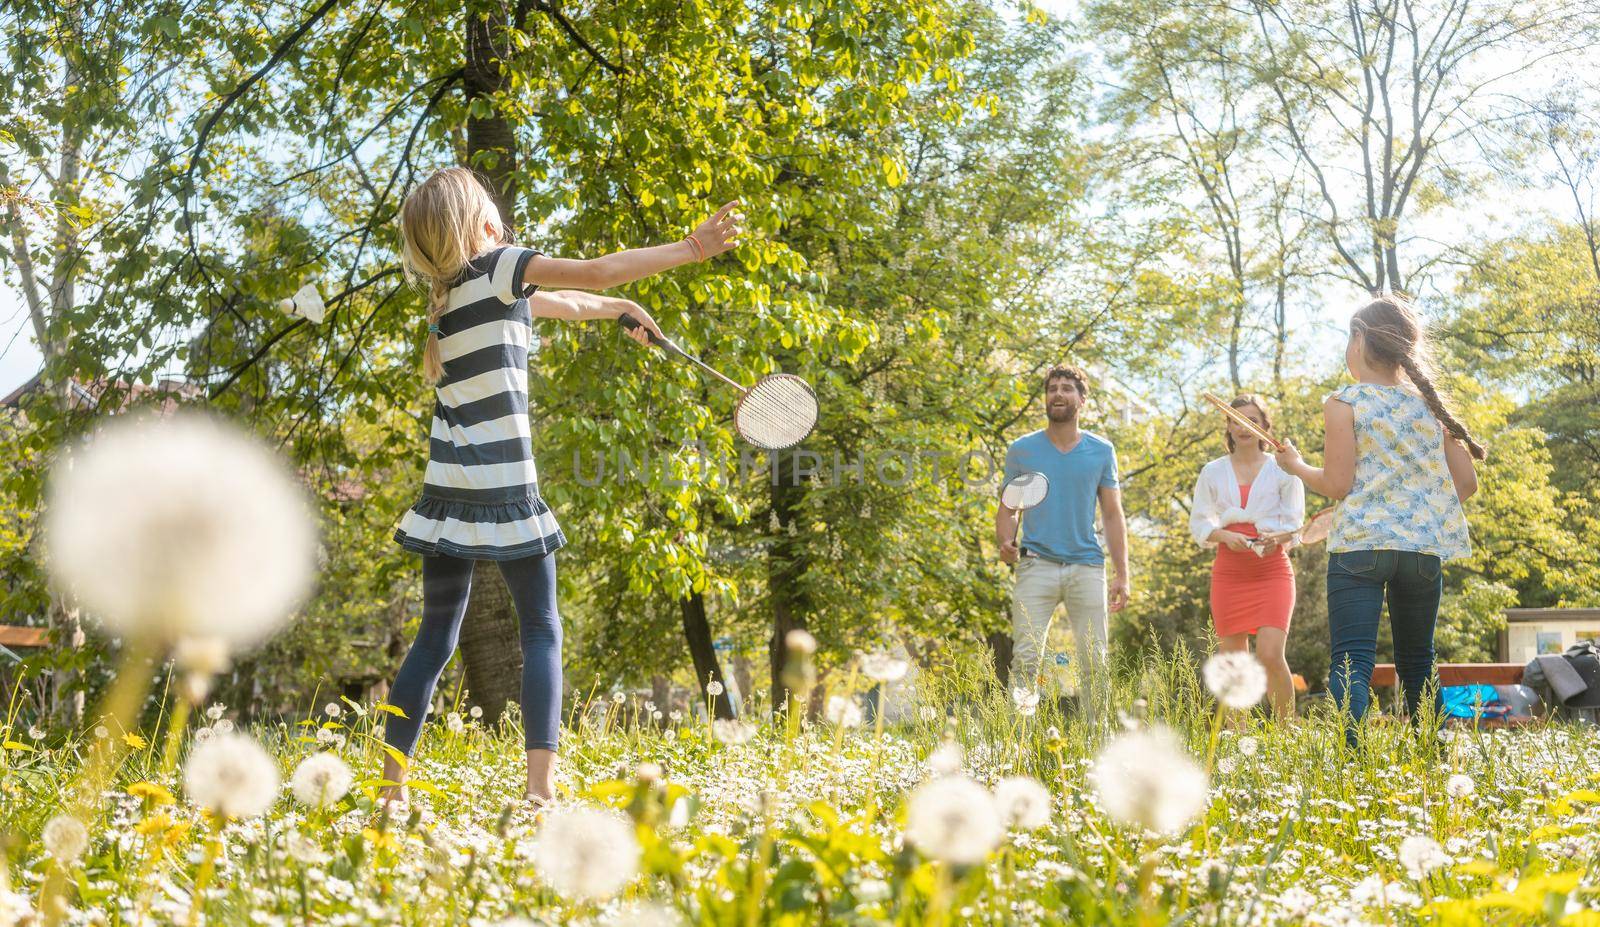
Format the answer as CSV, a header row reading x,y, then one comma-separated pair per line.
x,y
777,412
1314,531
1242,420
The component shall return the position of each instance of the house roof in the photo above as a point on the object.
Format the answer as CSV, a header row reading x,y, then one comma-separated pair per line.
x,y
1531,615
88,394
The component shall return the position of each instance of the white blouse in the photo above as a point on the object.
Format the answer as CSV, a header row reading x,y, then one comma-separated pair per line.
x,y
1277,500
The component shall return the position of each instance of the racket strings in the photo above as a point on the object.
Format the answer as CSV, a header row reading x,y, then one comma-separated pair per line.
x,y
778,412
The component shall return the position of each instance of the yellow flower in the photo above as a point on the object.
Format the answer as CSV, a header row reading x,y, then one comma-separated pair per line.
x,y
171,832
381,839
135,741
152,792
154,824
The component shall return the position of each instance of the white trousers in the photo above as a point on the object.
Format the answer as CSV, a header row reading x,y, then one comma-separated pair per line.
x,y
1041,586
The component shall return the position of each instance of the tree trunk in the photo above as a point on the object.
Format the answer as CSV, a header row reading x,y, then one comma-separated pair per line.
x,y
491,140
697,633
785,568
491,653
68,697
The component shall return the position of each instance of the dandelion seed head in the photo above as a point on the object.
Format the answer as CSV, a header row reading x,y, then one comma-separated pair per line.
x,y
321,780
884,667
1236,678
154,526
232,776
800,641
1146,779
65,838
1022,802
843,712
586,853
953,819
1421,855
946,760
303,849
713,688
1459,786
732,732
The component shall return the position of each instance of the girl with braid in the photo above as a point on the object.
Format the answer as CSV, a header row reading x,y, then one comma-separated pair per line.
x,y
1400,464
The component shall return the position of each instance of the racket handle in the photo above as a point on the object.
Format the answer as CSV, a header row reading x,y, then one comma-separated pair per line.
x,y
629,322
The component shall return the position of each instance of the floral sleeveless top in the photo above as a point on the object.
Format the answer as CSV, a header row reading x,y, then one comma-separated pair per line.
x,y
1402,497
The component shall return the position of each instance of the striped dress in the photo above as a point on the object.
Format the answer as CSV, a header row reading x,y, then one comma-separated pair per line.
x,y
480,494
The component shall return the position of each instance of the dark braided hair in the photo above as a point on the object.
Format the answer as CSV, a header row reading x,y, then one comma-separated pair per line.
x,y
1393,337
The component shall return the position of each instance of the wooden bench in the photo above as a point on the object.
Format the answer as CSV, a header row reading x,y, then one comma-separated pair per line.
x,y
1464,674
1457,674
12,635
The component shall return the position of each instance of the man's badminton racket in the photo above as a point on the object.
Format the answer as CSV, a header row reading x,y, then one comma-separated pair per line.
x,y
1243,421
776,412
1021,493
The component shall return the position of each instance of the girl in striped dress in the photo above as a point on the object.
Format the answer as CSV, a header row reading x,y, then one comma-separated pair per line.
x,y
480,494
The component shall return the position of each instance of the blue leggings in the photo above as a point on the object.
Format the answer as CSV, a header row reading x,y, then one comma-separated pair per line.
x,y
446,584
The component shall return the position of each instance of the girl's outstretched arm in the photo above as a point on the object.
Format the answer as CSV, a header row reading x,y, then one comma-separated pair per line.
x,y
578,306
715,235
1338,471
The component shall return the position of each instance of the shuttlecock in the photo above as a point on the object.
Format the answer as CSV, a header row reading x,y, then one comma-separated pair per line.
x,y
305,303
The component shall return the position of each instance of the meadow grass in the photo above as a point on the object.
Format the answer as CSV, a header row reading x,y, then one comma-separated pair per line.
x,y
800,822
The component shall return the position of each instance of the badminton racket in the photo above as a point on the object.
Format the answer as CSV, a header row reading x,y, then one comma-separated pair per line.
x,y
1021,493
1243,421
776,412
1314,531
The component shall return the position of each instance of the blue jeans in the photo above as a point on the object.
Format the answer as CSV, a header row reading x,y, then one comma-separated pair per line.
x,y
446,584
1357,583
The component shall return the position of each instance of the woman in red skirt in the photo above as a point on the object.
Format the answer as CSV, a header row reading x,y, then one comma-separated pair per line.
x,y
1236,499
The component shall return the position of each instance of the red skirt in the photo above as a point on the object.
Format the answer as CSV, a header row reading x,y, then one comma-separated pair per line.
x,y
1249,592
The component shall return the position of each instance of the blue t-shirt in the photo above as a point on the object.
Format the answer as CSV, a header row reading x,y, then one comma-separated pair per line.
x,y
1061,528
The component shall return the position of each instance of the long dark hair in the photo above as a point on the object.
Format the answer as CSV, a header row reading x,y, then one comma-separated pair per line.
x,y
1394,336
1249,399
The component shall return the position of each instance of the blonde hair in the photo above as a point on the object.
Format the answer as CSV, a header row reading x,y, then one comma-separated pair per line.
x,y
441,229
1394,336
